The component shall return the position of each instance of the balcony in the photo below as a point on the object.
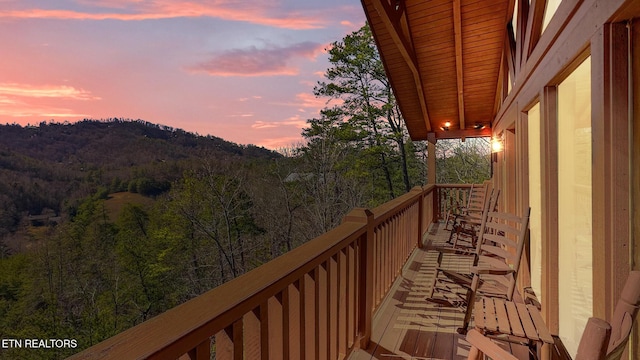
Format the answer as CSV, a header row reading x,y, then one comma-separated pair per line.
x,y
357,292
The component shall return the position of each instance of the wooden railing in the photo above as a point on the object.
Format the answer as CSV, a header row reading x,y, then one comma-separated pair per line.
x,y
315,302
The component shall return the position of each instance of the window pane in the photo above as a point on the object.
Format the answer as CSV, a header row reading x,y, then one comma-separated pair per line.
x,y
574,205
535,199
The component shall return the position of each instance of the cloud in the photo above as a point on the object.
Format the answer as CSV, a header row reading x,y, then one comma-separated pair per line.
x,y
45,91
309,100
23,100
295,121
269,61
19,109
265,13
254,97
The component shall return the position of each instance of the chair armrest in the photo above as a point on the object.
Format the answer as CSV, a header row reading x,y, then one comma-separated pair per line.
x,y
452,250
530,297
488,347
490,271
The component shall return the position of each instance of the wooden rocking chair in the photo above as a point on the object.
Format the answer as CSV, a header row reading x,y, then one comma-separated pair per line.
x,y
474,206
457,209
467,227
459,248
495,266
600,340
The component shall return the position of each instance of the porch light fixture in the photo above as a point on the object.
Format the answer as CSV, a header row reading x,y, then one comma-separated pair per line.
x,y
497,144
446,126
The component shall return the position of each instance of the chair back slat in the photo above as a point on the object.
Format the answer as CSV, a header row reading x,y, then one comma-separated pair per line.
x,y
499,252
504,235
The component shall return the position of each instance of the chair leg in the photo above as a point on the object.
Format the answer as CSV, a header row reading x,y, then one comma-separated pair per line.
x,y
446,220
471,300
444,290
453,230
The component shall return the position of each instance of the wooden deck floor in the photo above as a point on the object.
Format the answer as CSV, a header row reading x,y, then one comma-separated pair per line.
x,y
408,327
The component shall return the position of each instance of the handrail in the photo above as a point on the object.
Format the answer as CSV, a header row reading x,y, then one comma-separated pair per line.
x,y
318,298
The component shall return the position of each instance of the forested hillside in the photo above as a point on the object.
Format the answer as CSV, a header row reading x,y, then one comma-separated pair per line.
x,y
48,168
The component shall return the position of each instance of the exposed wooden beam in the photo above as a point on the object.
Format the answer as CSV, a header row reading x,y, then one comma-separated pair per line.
x,y
457,30
391,20
510,45
534,27
463,133
431,158
499,88
523,14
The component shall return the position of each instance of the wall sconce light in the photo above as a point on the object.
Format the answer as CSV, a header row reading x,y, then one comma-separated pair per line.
x,y
446,126
497,144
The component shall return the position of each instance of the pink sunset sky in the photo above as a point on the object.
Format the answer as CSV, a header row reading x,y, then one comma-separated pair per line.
x,y
240,70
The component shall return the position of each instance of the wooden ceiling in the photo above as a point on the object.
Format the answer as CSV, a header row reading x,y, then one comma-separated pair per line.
x,y
443,58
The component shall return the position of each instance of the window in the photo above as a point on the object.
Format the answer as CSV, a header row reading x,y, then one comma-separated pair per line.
x,y
574,205
535,199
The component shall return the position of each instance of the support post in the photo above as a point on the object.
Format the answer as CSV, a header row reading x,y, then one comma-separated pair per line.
x,y
431,158
420,214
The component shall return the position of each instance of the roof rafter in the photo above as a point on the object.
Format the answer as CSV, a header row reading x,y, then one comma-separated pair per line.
x,y
466,133
391,20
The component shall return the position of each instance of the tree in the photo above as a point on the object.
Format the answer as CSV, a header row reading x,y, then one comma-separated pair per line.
x,y
358,79
337,174
466,161
214,200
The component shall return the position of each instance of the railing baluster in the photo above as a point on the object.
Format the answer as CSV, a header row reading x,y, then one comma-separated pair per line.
x,y
224,346
294,320
332,299
264,317
353,289
302,285
281,326
342,303
377,265
320,307
252,330
229,342
276,326
307,316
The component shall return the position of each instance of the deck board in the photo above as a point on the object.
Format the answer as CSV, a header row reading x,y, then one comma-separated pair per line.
x,y
406,326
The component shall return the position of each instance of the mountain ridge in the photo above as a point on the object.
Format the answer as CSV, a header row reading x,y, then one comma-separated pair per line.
x,y
49,166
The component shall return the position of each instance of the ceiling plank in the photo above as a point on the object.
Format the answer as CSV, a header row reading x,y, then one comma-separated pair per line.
x,y
457,30
393,28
